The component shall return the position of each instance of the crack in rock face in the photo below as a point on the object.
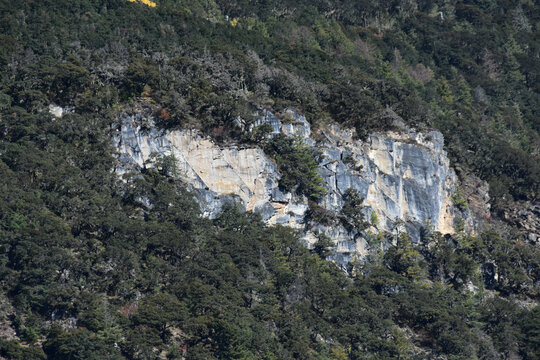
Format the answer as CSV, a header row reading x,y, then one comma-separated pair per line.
x,y
404,177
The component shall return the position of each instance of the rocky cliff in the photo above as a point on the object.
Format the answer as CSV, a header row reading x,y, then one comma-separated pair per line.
x,y
404,176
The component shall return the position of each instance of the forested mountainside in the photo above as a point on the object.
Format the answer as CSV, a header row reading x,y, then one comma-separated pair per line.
x,y
97,263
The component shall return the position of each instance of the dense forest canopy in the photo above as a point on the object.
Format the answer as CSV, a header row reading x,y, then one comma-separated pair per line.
x,y
97,267
469,69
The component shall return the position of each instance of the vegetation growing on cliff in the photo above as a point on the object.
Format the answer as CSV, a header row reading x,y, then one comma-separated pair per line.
x,y
92,266
352,213
298,165
469,68
91,270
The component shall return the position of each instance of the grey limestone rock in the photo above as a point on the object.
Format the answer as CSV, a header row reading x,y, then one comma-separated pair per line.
x,y
404,177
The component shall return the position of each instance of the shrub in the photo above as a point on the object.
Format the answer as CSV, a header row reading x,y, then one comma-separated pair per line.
x,y
459,200
298,165
352,213
319,214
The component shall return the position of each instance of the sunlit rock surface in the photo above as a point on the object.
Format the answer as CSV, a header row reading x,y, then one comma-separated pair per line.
x,y
404,177
58,111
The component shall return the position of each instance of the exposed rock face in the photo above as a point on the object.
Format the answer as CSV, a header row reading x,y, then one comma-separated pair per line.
x,y
404,177
58,111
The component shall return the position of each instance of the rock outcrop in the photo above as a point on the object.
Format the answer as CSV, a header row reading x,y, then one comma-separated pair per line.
x,y
526,217
405,177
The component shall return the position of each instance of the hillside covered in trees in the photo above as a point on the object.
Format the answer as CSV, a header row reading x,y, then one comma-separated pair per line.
x,y
97,266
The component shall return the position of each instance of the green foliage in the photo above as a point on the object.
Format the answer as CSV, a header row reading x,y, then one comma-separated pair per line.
x,y
327,58
459,201
495,249
160,312
260,134
374,219
530,326
349,159
78,344
165,165
404,258
323,246
14,350
455,266
298,165
5,101
352,212
320,215
144,275
30,335
140,73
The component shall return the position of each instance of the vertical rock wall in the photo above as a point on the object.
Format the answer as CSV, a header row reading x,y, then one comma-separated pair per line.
x,y
404,177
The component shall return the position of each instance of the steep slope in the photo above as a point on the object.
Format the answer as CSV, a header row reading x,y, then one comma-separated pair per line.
x,y
116,115
403,176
